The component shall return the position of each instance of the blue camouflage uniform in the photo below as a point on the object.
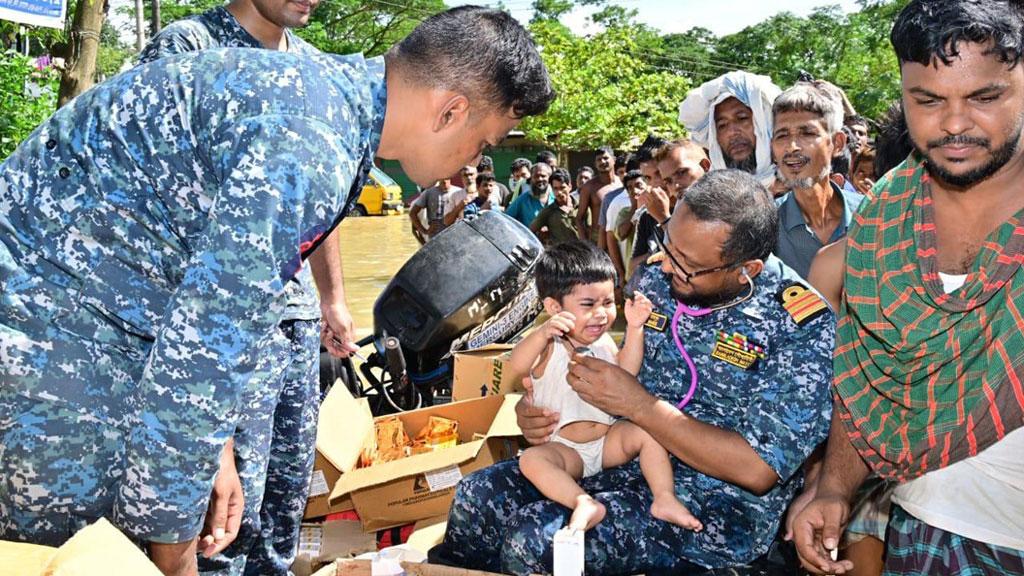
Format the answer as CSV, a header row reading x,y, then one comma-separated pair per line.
x,y
274,444
770,384
147,232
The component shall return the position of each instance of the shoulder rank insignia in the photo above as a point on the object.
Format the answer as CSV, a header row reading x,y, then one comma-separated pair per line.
x,y
802,303
657,322
738,350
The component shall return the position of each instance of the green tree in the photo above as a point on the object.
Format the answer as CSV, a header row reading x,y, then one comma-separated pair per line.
x,y
28,95
367,26
607,94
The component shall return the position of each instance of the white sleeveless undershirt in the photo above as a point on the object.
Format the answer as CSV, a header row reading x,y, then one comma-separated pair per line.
x,y
552,390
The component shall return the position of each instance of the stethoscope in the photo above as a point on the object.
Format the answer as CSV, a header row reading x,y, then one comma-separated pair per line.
x,y
683,309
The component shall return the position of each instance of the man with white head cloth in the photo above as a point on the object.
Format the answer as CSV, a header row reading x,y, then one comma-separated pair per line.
x,y
731,116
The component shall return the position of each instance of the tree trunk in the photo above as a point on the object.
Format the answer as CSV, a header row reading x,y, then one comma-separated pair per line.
x,y
140,29
80,68
154,23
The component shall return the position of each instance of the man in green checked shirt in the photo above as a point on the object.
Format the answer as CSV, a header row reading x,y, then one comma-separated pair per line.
x,y
929,357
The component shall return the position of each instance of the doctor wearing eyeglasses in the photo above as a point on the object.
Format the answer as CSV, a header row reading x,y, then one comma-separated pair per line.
x,y
735,384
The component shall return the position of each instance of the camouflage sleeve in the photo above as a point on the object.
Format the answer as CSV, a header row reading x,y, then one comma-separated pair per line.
x,y
789,415
281,177
177,38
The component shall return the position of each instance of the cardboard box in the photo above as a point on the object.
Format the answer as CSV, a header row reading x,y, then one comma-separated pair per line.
x,y
484,372
364,568
326,542
327,470
420,486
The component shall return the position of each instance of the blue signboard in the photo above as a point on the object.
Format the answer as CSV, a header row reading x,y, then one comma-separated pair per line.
x,y
48,13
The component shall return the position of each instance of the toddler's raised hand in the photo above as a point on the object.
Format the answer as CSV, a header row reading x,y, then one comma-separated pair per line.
x,y
559,325
638,310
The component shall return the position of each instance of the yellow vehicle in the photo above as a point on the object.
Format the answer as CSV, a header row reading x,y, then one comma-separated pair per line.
x,y
380,195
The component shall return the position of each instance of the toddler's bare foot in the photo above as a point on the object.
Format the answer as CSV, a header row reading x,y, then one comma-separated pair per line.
x,y
587,514
670,509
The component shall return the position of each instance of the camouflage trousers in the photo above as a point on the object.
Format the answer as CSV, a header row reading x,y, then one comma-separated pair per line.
x,y
500,523
274,449
61,458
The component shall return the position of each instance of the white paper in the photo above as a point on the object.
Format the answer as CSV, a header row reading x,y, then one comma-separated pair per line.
x,y
568,559
443,478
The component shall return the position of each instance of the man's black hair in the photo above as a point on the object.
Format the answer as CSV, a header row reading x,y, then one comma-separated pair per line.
x,y
519,163
645,153
736,198
892,145
856,120
585,169
604,150
630,176
547,157
486,164
482,52
933,29
629,161
483,178
569,264
562,175
842,163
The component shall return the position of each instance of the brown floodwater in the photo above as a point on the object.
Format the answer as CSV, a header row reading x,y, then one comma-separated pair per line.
x,y
372,251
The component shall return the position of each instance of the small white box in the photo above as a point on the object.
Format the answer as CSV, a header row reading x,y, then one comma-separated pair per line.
x,y
568,553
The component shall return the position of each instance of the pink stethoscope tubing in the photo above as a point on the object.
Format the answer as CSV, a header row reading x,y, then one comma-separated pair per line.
x,y
695,313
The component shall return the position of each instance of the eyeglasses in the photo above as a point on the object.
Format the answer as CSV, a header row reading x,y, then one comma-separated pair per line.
x,y
662,239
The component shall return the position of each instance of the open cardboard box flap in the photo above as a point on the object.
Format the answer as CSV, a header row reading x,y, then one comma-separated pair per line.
x,y
345,425
491,416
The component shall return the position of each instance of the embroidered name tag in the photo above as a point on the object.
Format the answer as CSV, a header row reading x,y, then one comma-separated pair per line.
x,y
657,322
738,350
801,303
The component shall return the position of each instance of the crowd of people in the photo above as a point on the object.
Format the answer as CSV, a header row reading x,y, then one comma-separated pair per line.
x,y
823,338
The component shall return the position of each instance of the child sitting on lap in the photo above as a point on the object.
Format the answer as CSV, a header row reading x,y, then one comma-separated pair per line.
x,y
577,284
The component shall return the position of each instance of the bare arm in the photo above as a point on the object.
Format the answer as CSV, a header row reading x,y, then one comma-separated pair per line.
x,y
611,245
529,349
638,310
817,528
338,331
843,470
581,213
625,228
827,272
414,215
631,356
714,451
456,214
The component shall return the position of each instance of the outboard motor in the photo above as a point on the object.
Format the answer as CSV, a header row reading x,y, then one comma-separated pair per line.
x,y
471,285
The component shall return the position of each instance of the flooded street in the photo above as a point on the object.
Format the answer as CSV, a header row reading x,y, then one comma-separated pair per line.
x,y
372,251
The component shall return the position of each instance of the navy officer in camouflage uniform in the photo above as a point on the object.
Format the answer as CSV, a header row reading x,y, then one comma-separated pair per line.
x,y
761,343
148,230
275,441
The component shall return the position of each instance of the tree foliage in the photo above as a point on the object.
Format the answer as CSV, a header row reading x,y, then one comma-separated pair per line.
x,y
607,94
28,95
367,26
